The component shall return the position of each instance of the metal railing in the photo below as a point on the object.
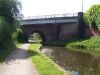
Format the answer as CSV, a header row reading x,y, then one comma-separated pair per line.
x,y
52,16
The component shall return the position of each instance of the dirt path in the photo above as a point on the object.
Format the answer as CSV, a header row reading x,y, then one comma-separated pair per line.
x,y
18,63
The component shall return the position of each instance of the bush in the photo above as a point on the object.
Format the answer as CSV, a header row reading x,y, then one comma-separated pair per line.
x,y
7,37
19,36
5,33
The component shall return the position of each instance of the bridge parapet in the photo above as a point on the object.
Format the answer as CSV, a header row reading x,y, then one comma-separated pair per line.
x,y
63,18
51,16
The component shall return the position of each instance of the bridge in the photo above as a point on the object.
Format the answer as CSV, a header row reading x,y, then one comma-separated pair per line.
x,y
54,27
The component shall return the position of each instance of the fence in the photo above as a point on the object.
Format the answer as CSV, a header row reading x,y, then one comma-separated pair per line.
x,y
52,16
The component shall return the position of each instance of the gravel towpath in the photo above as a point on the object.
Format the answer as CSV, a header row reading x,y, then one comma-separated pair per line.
x,y
18,63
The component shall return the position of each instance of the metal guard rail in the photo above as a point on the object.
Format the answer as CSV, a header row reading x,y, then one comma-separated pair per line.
x,y
52,16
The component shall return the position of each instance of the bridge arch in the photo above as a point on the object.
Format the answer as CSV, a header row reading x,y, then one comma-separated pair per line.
x,y
42,35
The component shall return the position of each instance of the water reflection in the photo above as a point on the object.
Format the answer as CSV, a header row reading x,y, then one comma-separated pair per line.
x,y
77,63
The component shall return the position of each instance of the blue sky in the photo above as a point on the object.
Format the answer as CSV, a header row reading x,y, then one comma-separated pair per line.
x,y
48,7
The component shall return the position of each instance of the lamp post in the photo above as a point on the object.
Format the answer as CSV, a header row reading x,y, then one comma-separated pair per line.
x,y
82,5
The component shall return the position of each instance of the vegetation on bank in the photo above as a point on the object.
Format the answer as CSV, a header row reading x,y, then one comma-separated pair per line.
x,y
9,23
89,45
6,48
92,17
10,32
43,64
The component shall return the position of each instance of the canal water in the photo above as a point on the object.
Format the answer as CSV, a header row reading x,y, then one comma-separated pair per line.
x,y
76,63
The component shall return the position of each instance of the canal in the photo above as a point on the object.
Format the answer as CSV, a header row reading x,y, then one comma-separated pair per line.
x,y
76,63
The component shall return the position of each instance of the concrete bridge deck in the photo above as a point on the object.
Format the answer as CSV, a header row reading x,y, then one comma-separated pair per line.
x,y
64,18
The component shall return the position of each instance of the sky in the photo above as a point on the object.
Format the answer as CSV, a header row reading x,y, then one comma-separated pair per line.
x,y
48,7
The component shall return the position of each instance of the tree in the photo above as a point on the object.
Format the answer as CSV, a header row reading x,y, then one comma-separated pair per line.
x,y
10,10
92,16
9,14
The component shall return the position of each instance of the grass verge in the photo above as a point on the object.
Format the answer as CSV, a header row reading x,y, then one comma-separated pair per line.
x,y
42,63
89,45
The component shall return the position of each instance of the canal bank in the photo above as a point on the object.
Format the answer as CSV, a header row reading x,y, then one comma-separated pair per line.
x,y
88,45
74,62
43,64
76,57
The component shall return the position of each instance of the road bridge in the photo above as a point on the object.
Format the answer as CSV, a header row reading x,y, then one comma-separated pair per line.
x,y
53,27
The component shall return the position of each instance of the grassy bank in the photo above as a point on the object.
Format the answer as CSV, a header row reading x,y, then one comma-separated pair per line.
x,y
89,45
43,64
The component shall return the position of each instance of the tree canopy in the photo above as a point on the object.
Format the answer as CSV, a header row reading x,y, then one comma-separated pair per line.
x,y
10,10
9,14
92,16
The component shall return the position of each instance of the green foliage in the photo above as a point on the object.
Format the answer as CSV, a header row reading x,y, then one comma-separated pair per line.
x,y
5,32
92,16
4,53
10,10
9,13
92,43
88,45
19,36
35,37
